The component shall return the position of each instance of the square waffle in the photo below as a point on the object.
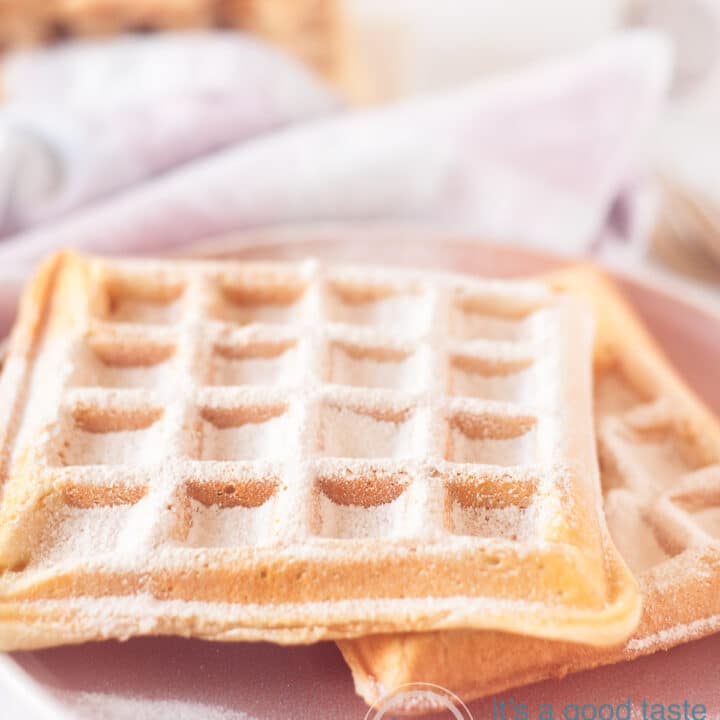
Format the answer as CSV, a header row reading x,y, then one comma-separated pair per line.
x,y
659,453
291,452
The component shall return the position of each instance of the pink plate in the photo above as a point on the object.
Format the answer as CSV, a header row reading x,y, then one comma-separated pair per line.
x,y
184,679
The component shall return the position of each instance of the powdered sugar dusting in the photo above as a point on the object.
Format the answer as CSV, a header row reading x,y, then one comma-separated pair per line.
x,y
661,502
520,450
207,411
250,440
70,532
505,387
93,705
347,433
509,523
281,370
128,447
353,366
215,526
355,521
469,325
668,637
633,536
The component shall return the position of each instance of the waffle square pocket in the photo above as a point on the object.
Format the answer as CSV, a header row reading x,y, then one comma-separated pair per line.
x,y
659,453
292,452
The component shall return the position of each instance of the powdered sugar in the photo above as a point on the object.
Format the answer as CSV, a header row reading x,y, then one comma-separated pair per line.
x,y
92,705
127,447
345,432
656,501
510,386
318,411
282,369
70,532
380,305
246,441
519,450
355,521
214,526
633,536
510,522
361,367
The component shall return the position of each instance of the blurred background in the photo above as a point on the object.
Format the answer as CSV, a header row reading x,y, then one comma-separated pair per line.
x,y
580,128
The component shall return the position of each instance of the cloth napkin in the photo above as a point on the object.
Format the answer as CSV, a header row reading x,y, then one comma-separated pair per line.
x,y
84,121
542,157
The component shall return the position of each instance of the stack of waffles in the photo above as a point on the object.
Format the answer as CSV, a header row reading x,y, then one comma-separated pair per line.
x,y
394,459
659,453
295,452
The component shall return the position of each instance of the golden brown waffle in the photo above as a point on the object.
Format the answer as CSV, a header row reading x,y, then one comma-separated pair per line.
x,y
660,467
311,29
295,452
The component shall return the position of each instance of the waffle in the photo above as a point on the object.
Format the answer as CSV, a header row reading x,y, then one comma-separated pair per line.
x,y
659,452
295,452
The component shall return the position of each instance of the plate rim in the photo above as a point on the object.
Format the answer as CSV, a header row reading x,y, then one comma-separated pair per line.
x,y
643,277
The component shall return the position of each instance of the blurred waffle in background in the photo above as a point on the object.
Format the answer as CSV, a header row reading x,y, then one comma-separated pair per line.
x,y
686,236
310,29
684,148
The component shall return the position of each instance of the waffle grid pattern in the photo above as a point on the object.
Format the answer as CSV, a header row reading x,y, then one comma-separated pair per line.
x,y
324,452
658,493
659,452
394,442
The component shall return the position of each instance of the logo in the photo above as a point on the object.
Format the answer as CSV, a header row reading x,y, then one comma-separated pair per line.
x,y
419,697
